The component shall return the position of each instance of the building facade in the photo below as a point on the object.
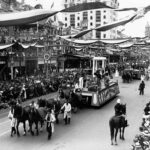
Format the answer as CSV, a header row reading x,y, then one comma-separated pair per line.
x,y
92,18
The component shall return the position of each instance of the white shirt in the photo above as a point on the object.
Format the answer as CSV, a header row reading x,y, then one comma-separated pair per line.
x,y
67,107
11,117
81,82
52,118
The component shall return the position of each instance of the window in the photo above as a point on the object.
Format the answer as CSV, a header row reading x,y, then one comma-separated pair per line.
x,y
85,15
72,20
65,5
91,17
78,24
65,18
91,23
98,34
98,16
65,24
104,17
97,25
104,11
91,11
66,1
104,36
78,18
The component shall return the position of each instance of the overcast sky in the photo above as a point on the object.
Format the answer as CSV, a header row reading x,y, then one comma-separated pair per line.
x,y
135,28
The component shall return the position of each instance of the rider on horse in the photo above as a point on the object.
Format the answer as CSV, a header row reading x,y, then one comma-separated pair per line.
x,y
119,111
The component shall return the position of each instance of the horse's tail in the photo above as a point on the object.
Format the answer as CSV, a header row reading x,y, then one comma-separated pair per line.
x,y
111,125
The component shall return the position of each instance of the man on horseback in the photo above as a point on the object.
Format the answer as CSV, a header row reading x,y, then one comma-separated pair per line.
x,y
119,111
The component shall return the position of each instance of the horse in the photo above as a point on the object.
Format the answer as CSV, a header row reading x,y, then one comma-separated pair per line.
x,y
75,101
30,114
22,115
36,116
118,123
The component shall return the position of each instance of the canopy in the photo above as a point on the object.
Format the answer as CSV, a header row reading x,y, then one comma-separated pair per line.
x,y
24,17
4,46
83,42
86,6
114,24
106,27
106,41
113,41
78,35
27,45
126,44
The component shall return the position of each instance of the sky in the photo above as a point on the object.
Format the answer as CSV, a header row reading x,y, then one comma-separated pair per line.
x,y
134,29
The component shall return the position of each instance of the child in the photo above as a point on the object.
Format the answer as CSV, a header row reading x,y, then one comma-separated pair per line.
x,y
13,122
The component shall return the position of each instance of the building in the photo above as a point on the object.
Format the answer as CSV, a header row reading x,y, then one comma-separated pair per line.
x,y
147,30
28,60
92,18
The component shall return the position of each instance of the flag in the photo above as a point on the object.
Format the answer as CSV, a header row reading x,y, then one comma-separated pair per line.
x,y
52,5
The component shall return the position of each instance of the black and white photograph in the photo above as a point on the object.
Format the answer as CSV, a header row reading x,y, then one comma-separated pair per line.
x,y
74,74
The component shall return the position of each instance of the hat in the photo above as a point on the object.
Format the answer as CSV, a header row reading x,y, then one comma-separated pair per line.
x,y
118,101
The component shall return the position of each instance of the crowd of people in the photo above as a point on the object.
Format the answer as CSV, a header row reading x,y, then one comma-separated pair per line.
x,y
24,88
142,140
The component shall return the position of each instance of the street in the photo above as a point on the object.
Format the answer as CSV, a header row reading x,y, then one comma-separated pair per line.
x,y
89,128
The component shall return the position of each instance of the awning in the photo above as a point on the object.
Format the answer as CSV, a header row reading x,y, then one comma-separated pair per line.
x,y
115,24
78,48
106,27
83,42
80,34
24,17
126,45
86,6
25,46
113,41
39,46
6,46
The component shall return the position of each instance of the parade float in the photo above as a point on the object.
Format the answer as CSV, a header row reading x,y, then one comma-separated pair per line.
x,y
95,94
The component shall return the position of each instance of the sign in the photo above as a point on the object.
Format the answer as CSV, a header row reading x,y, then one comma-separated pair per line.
x,y
46,57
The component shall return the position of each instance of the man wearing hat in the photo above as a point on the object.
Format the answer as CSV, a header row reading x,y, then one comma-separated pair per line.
x,y
118,111
118,108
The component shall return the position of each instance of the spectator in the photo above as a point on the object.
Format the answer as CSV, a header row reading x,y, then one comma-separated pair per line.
x,y
141,88
13,122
